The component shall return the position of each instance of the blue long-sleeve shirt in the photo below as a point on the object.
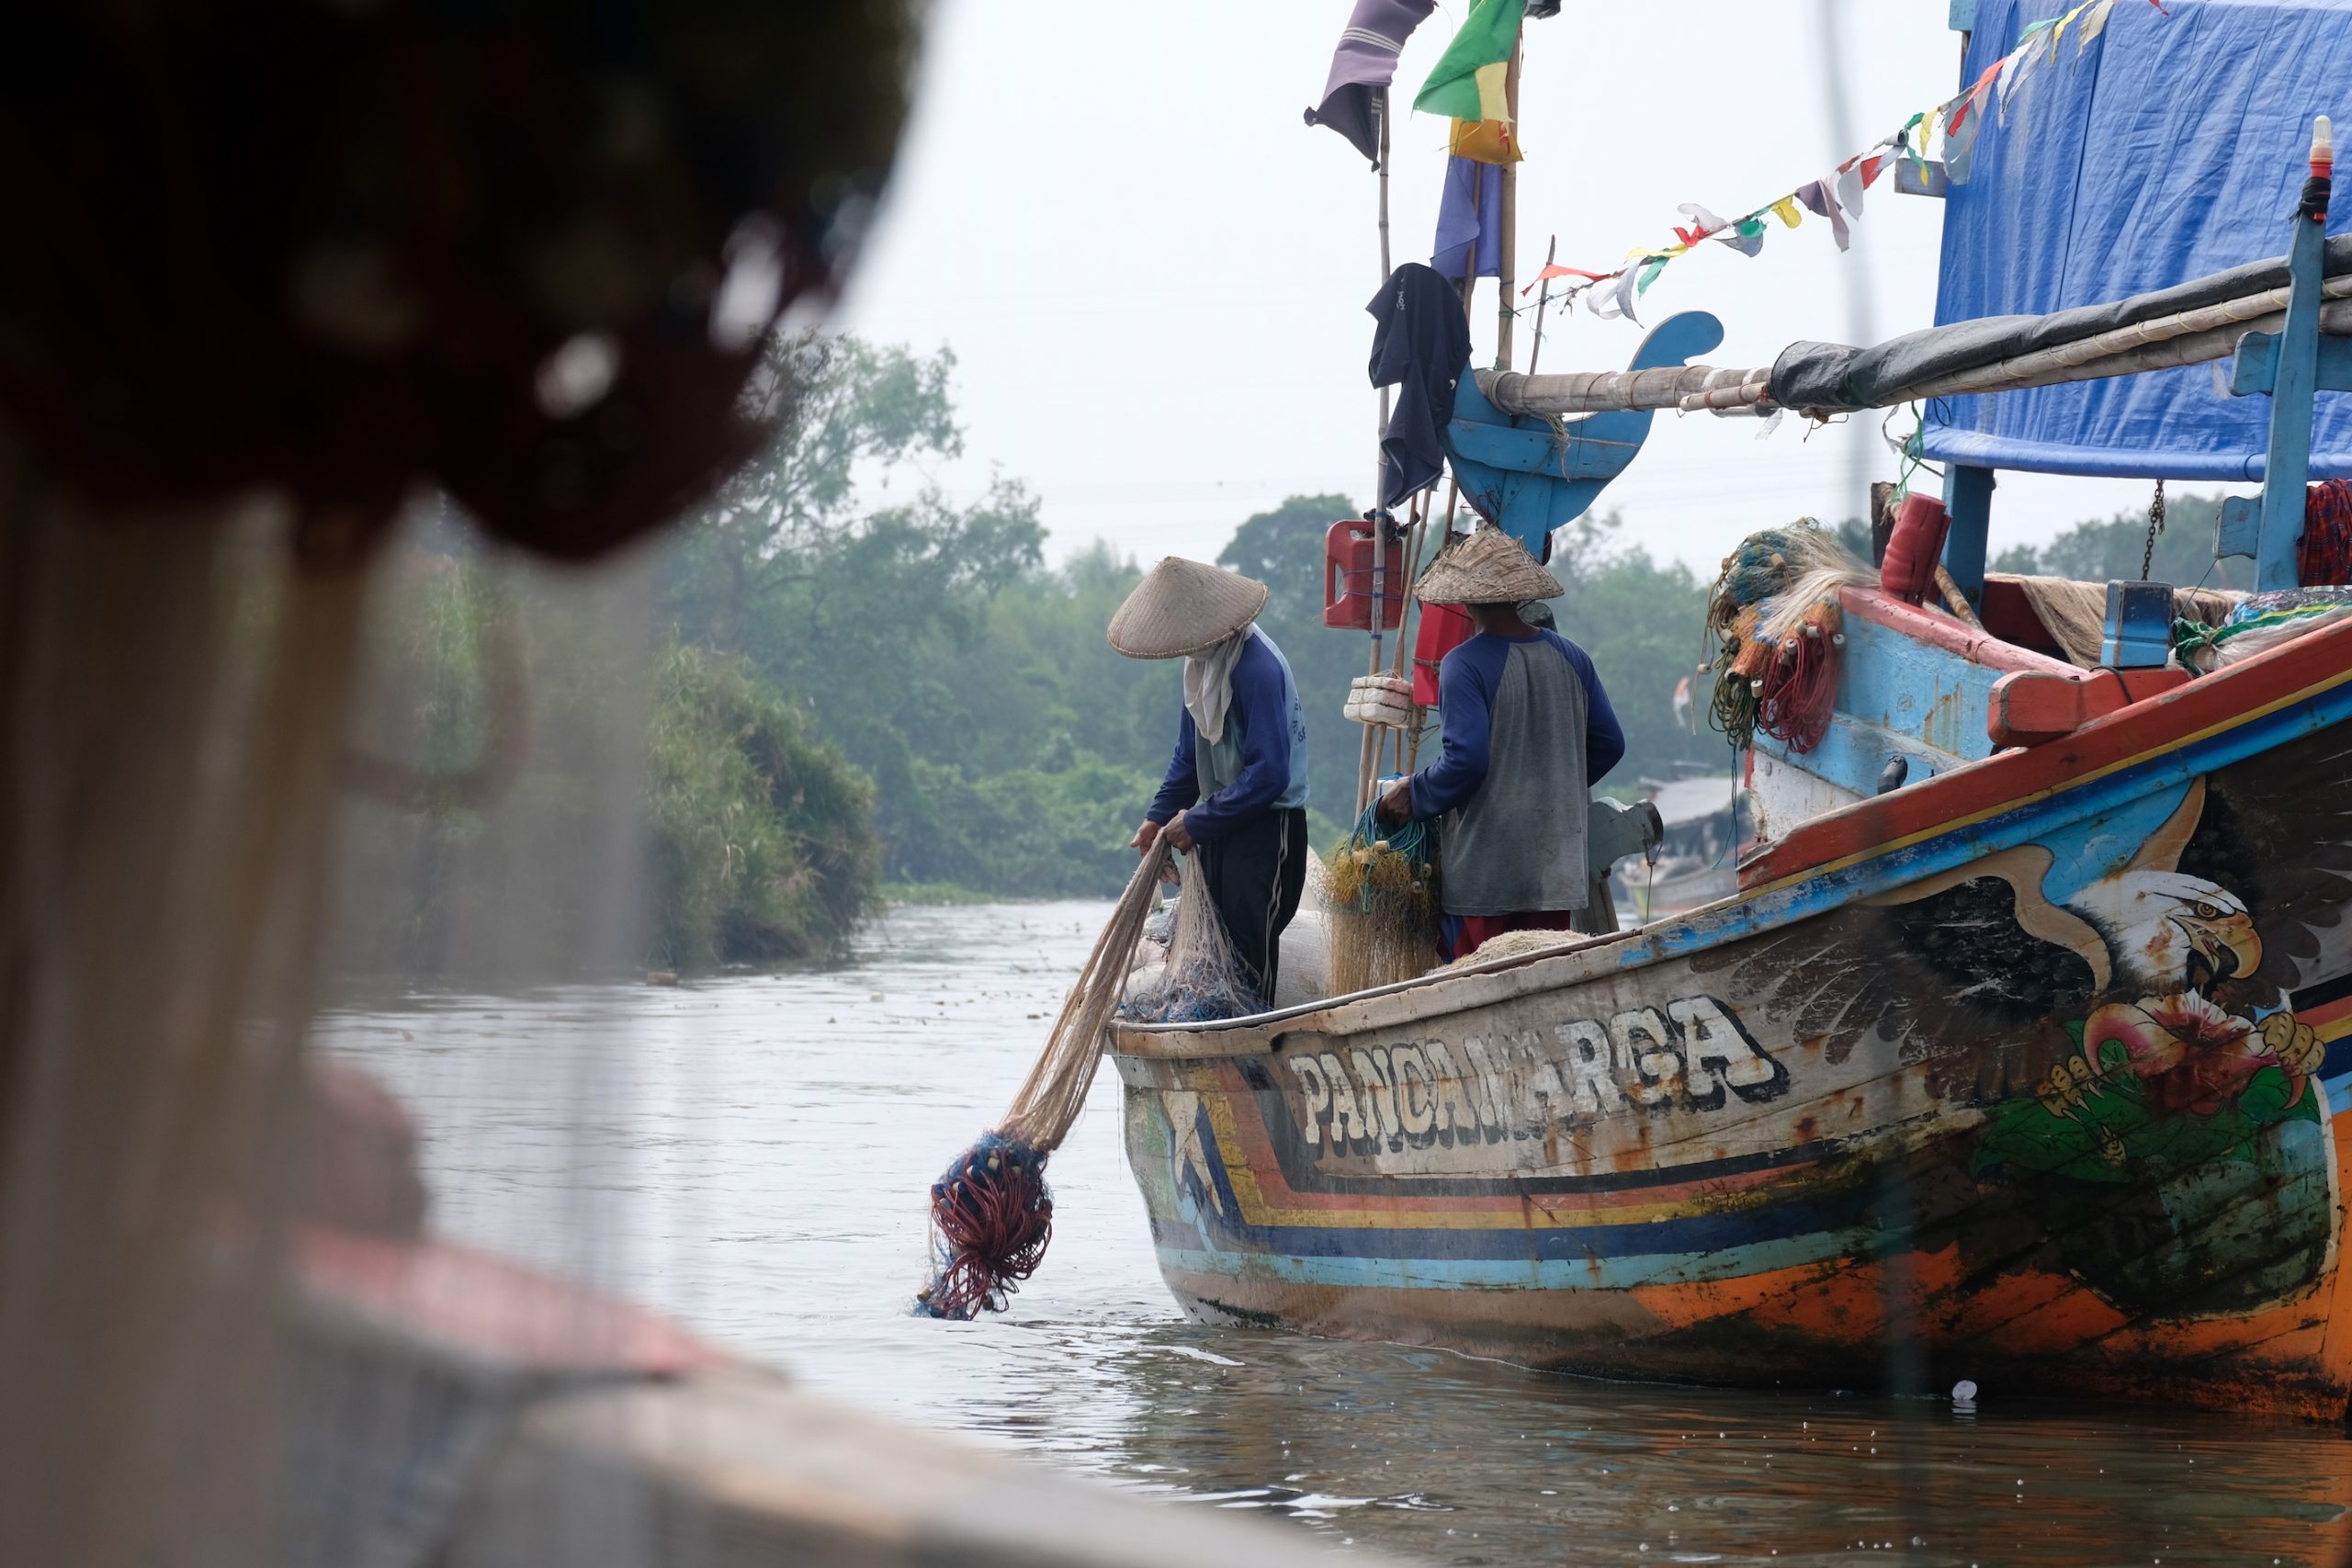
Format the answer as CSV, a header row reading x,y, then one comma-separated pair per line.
x,y
1258,764
1467,683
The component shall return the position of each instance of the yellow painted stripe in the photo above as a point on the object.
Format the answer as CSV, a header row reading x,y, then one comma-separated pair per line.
x,y
1256,1211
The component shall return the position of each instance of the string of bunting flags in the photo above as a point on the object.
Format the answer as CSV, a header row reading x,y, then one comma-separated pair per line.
x,y
1837,196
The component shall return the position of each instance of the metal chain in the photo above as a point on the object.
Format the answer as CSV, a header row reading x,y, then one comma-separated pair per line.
x,y
2155,526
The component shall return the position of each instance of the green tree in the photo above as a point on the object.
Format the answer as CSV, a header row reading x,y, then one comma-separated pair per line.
x,y
2110,548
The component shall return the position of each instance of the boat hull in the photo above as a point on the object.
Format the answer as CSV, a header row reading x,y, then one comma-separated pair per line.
x,y
2042,1096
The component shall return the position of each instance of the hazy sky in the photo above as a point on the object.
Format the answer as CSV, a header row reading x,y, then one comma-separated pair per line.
x,y
1153,274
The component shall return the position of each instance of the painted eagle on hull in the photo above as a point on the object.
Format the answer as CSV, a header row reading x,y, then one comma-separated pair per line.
x,y
2234,886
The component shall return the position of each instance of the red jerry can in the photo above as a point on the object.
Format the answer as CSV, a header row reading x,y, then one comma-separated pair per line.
x,y
1348,561
1915,547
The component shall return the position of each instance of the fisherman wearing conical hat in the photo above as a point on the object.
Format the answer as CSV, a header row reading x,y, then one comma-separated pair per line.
x,y
1236,792
1527,730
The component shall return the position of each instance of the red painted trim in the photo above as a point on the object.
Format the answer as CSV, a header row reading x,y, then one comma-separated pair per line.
x,y
1943,632
2031,706
2211,702
491,1309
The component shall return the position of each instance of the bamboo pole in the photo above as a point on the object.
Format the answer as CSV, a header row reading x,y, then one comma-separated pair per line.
x,y
2188,337
1543,306
1367,752
1506,271
1380,436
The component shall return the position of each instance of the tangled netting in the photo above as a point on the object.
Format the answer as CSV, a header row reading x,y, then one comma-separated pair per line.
x,y
1383,905
1202,980
2259,623
1776,616
991,1217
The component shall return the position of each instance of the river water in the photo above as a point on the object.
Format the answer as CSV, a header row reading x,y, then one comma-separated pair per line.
x,y
753,1154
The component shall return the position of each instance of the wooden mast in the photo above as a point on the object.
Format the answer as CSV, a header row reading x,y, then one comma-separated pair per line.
x,y
1508,224
1367,754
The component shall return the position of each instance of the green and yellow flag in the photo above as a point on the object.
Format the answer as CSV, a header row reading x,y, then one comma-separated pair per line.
x,y
1467,83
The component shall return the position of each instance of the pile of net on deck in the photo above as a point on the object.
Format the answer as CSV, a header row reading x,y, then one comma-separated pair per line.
x,y
2074,614
2260,622
1383,905
1776,618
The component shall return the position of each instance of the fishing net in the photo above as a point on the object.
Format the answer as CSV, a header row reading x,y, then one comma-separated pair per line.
x,y
992,1214
1776,617
1202,979
1383,904
2259,623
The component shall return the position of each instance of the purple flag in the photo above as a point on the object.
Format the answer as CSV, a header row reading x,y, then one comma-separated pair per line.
x,y
1363,66
1464,220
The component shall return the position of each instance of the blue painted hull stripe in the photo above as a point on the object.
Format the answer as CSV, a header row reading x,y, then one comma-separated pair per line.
x,y
1556,1274
1682,1234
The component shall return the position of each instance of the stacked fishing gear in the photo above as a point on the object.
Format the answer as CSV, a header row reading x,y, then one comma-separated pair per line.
x,y
1202,980
1382,915
1776,616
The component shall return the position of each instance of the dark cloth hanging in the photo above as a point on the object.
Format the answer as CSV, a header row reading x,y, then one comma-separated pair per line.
x,y
1422,347
1362,68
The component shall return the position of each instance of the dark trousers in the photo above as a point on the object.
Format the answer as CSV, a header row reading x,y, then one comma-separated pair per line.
x,y
1254,877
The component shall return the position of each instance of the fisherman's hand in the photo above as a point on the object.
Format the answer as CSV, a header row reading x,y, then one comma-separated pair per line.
x,y
1178,839
1146,836
1396,801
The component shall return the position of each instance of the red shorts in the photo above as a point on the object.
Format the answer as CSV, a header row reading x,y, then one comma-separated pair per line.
x,y
1464,934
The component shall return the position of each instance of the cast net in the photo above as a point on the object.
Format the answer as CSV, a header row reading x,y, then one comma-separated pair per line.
x,y
992,1214
1383,908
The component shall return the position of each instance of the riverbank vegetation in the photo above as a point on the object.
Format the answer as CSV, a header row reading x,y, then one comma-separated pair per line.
x,y
859,685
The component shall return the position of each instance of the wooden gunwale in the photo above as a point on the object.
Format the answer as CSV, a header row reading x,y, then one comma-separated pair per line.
x,y
1843,856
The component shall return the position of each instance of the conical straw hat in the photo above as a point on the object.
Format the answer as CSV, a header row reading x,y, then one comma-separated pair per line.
x,y
1489,566
1182,606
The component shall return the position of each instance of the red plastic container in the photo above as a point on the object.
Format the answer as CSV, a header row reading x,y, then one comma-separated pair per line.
x,y
1913,547
1348,561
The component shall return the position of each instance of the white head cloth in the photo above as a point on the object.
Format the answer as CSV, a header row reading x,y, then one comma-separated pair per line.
x,y
1208,684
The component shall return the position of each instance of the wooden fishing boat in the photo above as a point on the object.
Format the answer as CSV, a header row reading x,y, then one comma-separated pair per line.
x,y
1910,1106
2025,1072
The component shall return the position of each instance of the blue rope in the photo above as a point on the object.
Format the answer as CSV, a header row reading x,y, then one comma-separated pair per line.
x,y
1412,839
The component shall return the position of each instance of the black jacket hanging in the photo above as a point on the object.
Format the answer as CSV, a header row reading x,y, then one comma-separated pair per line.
x,y
1422,347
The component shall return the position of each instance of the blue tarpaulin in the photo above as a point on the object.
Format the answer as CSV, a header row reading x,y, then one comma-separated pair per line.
x,y
2172,147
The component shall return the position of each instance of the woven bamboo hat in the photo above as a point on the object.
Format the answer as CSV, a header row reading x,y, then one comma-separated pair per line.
x,y
1488,567
1182,606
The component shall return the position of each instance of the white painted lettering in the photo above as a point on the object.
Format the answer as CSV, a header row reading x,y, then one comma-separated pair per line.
x,y
1457,1110
1349,1121
1644,1043
1592,1088
1416,1094
1720,1049
1372,1066
1316,1089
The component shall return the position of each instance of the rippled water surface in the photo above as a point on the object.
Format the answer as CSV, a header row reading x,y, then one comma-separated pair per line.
x,y
752,1155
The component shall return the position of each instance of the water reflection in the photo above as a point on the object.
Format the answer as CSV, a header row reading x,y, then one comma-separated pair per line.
x,y
756,1150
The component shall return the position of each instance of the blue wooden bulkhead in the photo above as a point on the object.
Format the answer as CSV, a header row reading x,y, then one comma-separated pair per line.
x,y
1531,476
